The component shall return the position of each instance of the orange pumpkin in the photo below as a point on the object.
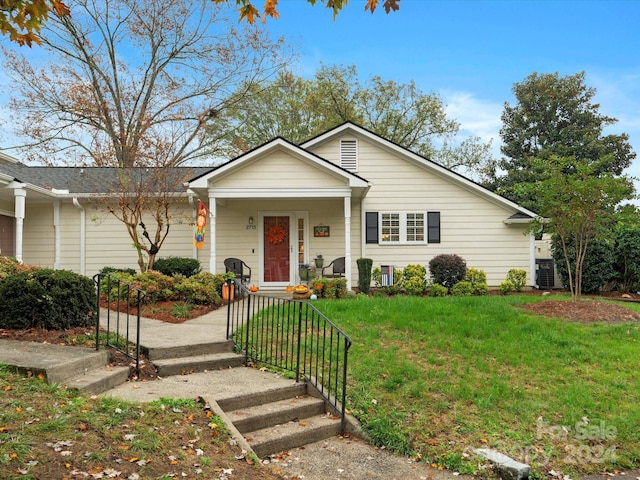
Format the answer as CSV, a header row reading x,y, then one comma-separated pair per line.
x,y
253,288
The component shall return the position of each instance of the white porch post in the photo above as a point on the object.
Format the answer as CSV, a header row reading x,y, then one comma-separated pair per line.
x,y
212,234
347,239
83,235
20,195
56,235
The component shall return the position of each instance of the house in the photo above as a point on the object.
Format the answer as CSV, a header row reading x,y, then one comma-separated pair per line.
x,y
346,193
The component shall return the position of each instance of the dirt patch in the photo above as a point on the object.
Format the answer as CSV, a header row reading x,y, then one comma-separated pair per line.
x,y
164,311
586,311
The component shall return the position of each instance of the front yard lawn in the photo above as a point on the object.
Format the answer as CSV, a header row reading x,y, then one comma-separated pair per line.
x,y
440,376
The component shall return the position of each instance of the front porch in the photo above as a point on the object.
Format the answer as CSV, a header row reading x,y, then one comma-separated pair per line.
x,y
275,240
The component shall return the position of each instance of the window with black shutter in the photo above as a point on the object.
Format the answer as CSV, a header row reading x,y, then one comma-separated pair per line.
x,y
371,227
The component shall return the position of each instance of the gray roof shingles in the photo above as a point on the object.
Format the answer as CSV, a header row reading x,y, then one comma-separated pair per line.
x,y
87,180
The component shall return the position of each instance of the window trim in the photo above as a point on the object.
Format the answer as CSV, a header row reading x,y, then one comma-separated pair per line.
x,y
402,218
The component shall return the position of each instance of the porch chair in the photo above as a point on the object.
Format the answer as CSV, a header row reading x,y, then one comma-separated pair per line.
x,y
335,269
241,269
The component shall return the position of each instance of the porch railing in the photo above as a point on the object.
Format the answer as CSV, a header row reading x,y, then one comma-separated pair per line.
x,y
292,335
123,315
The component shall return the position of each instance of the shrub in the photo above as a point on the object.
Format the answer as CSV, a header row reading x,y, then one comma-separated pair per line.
x,y
414,279
437,290
335,288
478,280
518,278
462,289
626,258
200,289
506,287
107,270
157,286
187,267
11,266
447,270
597,269
45,298
364,274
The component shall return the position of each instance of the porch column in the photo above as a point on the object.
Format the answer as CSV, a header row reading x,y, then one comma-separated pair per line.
x,y
20,195
347,239
212,234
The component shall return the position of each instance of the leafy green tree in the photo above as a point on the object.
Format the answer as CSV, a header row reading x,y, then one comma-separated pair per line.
x,y
555,116
298,109
626,253
598,267
577,206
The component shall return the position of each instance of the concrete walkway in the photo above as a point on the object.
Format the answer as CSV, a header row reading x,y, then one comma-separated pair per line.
x,y
340,458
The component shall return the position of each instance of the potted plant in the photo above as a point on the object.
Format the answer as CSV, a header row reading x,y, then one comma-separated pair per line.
x,y
228,291
303,270
319,261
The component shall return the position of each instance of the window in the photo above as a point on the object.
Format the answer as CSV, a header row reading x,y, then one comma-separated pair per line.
x,y
349,155
402,227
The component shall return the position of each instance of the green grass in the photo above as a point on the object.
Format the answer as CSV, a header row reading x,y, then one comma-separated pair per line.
x,y
440,376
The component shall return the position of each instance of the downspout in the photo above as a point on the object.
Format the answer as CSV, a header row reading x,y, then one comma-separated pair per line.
x,y
532,259
83,232
347,239
56,235
363,228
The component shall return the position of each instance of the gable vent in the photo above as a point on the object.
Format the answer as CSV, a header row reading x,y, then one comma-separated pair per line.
x,y
349,155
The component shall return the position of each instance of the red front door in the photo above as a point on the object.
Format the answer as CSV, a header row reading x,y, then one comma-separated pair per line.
x,y
277,248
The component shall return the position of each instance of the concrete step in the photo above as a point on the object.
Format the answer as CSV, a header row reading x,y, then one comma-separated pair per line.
x,y
99,380
162,353
197,363
263,397
275,413
278,438
90,360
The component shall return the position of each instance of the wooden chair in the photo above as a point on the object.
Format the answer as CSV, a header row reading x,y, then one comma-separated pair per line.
x,y
241,269
336,268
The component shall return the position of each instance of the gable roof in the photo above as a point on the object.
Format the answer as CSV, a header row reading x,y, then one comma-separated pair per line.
x,y
278,144
429,165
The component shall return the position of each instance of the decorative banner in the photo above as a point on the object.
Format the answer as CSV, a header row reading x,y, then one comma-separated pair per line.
x,y
201,225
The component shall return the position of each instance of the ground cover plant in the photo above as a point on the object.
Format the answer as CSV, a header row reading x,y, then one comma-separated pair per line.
x,y
440,376
47,431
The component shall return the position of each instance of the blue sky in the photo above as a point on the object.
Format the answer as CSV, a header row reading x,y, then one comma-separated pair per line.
x,y
471,52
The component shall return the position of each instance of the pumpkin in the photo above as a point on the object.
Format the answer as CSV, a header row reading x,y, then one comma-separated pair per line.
x,y
253,288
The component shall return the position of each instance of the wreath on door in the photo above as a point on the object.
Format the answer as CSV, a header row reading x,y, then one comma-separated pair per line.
x,y
276,234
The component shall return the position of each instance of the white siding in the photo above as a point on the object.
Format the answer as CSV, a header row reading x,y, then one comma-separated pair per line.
x,y
471,226
279,170
38,235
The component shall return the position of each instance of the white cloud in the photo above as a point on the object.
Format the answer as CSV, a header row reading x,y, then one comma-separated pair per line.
x,y
477,117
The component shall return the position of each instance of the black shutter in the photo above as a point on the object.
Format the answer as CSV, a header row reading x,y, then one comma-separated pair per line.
x,y
371,227
433,227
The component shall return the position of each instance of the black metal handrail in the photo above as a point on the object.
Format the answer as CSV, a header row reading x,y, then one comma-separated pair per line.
x,y
125,297
292,335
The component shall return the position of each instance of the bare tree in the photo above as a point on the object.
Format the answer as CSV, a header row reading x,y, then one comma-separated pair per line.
x,y
134,83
